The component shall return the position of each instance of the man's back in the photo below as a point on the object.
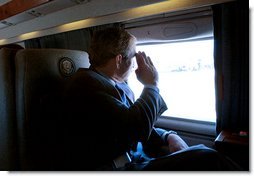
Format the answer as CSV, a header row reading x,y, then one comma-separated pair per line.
x,y
100,123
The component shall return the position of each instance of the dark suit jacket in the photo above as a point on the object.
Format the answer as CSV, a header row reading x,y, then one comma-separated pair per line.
x,y
100,127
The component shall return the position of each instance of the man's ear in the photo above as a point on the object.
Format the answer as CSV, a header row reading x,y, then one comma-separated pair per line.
x,y
119,59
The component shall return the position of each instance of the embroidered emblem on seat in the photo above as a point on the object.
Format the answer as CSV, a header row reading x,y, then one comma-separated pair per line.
x,y
66,66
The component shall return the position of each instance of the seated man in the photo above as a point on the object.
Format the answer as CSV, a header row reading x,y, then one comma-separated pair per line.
x,y
111,131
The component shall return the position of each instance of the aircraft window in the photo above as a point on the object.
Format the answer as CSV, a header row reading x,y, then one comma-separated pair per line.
x,y
186,78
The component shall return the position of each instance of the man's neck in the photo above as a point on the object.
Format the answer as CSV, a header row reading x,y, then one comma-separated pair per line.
x,y
105,74
108,72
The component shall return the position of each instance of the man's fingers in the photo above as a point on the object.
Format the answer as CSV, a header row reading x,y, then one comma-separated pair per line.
x,y
140,59
146,73
149,61
145,58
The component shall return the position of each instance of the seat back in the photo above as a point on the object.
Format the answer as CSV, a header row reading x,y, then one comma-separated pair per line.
x,y
40,78
8,147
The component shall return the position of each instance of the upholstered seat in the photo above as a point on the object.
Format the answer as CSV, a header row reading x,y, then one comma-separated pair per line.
x,y
40,78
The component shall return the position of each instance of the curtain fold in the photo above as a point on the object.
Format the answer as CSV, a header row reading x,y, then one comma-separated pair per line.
x,y
231,54
76,40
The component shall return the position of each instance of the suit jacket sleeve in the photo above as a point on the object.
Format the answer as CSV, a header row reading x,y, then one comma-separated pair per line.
x,y
136,122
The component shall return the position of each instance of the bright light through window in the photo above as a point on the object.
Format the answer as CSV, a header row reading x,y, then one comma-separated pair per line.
x,y
186,78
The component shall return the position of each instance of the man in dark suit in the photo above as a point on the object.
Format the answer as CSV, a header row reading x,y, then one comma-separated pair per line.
x,y
108,130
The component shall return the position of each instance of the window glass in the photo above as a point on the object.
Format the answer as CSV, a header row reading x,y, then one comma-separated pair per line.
x,y
186,78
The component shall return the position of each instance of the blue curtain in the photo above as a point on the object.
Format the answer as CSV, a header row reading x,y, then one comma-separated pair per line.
x,y
231,54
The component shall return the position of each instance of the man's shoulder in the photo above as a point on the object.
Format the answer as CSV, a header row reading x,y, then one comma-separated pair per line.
x,y
85,71
90,78
86,74
83,83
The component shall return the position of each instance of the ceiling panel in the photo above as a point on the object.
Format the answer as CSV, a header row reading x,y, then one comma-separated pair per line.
x,y
41,10
2,26
19,18
54,6
2,2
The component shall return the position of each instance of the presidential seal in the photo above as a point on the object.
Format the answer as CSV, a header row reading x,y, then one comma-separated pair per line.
x,y
66,66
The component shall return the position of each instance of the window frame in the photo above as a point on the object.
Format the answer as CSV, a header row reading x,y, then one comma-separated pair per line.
x,y
196,127
191,128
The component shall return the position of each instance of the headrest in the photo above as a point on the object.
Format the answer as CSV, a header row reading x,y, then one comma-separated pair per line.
x,y
61,62
41,75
